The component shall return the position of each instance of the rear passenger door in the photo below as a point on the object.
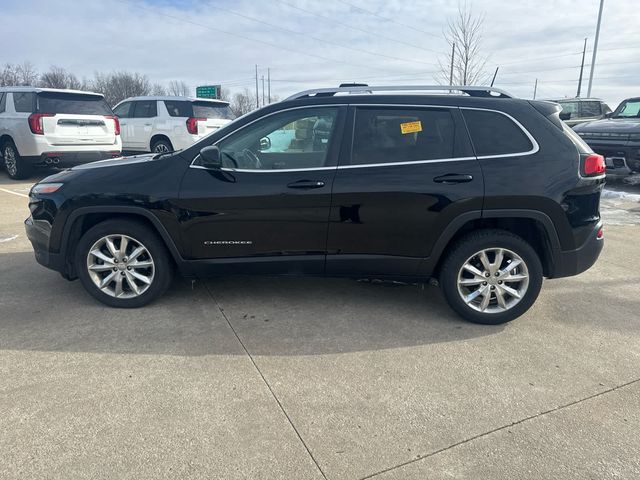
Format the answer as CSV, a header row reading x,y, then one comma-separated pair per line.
x,y
410,170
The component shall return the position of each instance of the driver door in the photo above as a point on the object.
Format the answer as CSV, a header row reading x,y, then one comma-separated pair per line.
x,y
267,209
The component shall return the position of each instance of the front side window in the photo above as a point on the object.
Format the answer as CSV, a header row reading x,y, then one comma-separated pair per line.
x,y
591,109
292,139
3,102
391,135
145,109
627,109
123,110
23,101
493,133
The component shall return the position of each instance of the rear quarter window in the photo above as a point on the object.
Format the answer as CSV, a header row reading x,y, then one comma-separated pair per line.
x,y
23,101
493,133
53,102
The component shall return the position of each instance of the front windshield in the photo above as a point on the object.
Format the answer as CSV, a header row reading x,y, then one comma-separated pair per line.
x,y
628,109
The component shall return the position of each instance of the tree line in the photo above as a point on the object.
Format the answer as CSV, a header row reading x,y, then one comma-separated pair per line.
x,y
115,86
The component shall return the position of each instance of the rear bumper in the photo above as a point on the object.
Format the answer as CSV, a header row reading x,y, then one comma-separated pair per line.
x,y
72,158
572,262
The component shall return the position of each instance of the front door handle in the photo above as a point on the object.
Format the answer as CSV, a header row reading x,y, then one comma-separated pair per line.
x,y
306,184
451,178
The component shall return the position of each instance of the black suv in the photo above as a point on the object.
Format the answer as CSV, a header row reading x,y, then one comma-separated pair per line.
x,y
486,193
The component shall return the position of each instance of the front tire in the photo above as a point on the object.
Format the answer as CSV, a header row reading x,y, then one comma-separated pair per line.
x,y
491,277
14,164
123,264
161,146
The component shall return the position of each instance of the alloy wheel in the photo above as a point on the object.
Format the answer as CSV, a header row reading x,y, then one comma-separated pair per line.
x,y
493,280
120,266
10,161
160,148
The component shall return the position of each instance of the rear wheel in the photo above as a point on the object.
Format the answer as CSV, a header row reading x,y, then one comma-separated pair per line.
x,y
161,146
491,277
123,264
14,164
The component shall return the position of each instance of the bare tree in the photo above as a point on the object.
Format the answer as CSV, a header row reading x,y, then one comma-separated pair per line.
x,y
465,32
179,88
58,77
158,89
243,102
117,86
23,74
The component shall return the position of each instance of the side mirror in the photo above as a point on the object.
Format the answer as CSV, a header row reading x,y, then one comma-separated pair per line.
x,y
608,115
565,115
210,157
265,143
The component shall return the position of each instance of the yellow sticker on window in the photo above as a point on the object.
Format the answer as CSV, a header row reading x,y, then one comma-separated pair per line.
x,y
411,127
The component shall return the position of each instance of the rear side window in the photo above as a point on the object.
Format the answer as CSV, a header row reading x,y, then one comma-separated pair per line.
x,y
3,102
145,109
212,110
392,135
591,109
23,101
54,102
493,133
179,108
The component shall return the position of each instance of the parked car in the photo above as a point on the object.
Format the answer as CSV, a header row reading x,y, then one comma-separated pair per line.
x,y
485,192
617,138
579,110
165,124
45,126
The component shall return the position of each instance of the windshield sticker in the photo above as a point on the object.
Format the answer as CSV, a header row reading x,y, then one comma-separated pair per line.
x,y
411,127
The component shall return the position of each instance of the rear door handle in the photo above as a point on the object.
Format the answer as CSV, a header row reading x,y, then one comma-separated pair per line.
x,y
451,178
306,184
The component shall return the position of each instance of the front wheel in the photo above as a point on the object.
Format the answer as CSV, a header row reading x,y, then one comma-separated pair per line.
x,y
161,146
491,277
123,264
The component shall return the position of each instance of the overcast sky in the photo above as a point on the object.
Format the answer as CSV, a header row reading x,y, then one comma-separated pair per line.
x,y
310,44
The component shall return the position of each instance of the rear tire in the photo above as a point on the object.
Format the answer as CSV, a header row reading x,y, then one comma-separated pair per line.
x,y
479,285
161,146
129,267
17,168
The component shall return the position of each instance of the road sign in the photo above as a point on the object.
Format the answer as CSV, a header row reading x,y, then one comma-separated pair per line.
x,y
208,91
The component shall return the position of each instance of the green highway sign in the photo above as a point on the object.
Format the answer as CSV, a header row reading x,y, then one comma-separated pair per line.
x,y
208,91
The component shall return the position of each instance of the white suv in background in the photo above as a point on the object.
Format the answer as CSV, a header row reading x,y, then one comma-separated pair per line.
x,y
164,124
44,126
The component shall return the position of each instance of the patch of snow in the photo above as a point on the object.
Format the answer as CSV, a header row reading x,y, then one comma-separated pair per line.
x,y
8,239
618,195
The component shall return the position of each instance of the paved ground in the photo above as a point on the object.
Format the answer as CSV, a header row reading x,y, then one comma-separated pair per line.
x,y
318,378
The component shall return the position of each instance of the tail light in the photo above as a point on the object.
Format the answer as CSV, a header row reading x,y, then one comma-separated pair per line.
x,y
192,124
35,122
593,165
116,121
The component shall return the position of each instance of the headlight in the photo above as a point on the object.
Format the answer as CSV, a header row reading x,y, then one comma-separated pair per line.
x,y
46,188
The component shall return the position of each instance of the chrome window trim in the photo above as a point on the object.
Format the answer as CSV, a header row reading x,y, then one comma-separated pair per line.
x,y
533,141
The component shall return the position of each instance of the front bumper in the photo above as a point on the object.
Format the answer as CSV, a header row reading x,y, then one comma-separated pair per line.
x,y
620,159
39,233
572,262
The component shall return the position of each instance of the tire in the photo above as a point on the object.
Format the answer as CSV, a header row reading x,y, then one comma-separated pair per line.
x,y
457,280
159,274
161,146
17,168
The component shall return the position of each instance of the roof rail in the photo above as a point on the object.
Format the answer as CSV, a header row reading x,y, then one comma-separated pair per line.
x,y
472,91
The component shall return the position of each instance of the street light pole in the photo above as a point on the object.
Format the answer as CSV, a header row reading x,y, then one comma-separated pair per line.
x,y
595,48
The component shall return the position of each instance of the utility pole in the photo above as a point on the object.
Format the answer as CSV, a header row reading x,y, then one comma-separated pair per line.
x,y
453,54
263,104
494,75
595,48
257,97
584,51
535,89
269,84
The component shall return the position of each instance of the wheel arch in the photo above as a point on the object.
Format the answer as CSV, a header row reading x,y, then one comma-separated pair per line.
x,y
85,218
157,137
534,226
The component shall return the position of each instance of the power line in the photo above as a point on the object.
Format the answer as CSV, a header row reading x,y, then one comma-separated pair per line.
x,y
357,29
387,19
318,39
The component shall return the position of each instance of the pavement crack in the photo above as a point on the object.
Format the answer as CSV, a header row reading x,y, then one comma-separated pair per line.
x,y
498,429
273,394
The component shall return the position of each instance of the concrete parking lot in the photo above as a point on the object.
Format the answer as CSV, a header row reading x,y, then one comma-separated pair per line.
x,y
318,378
